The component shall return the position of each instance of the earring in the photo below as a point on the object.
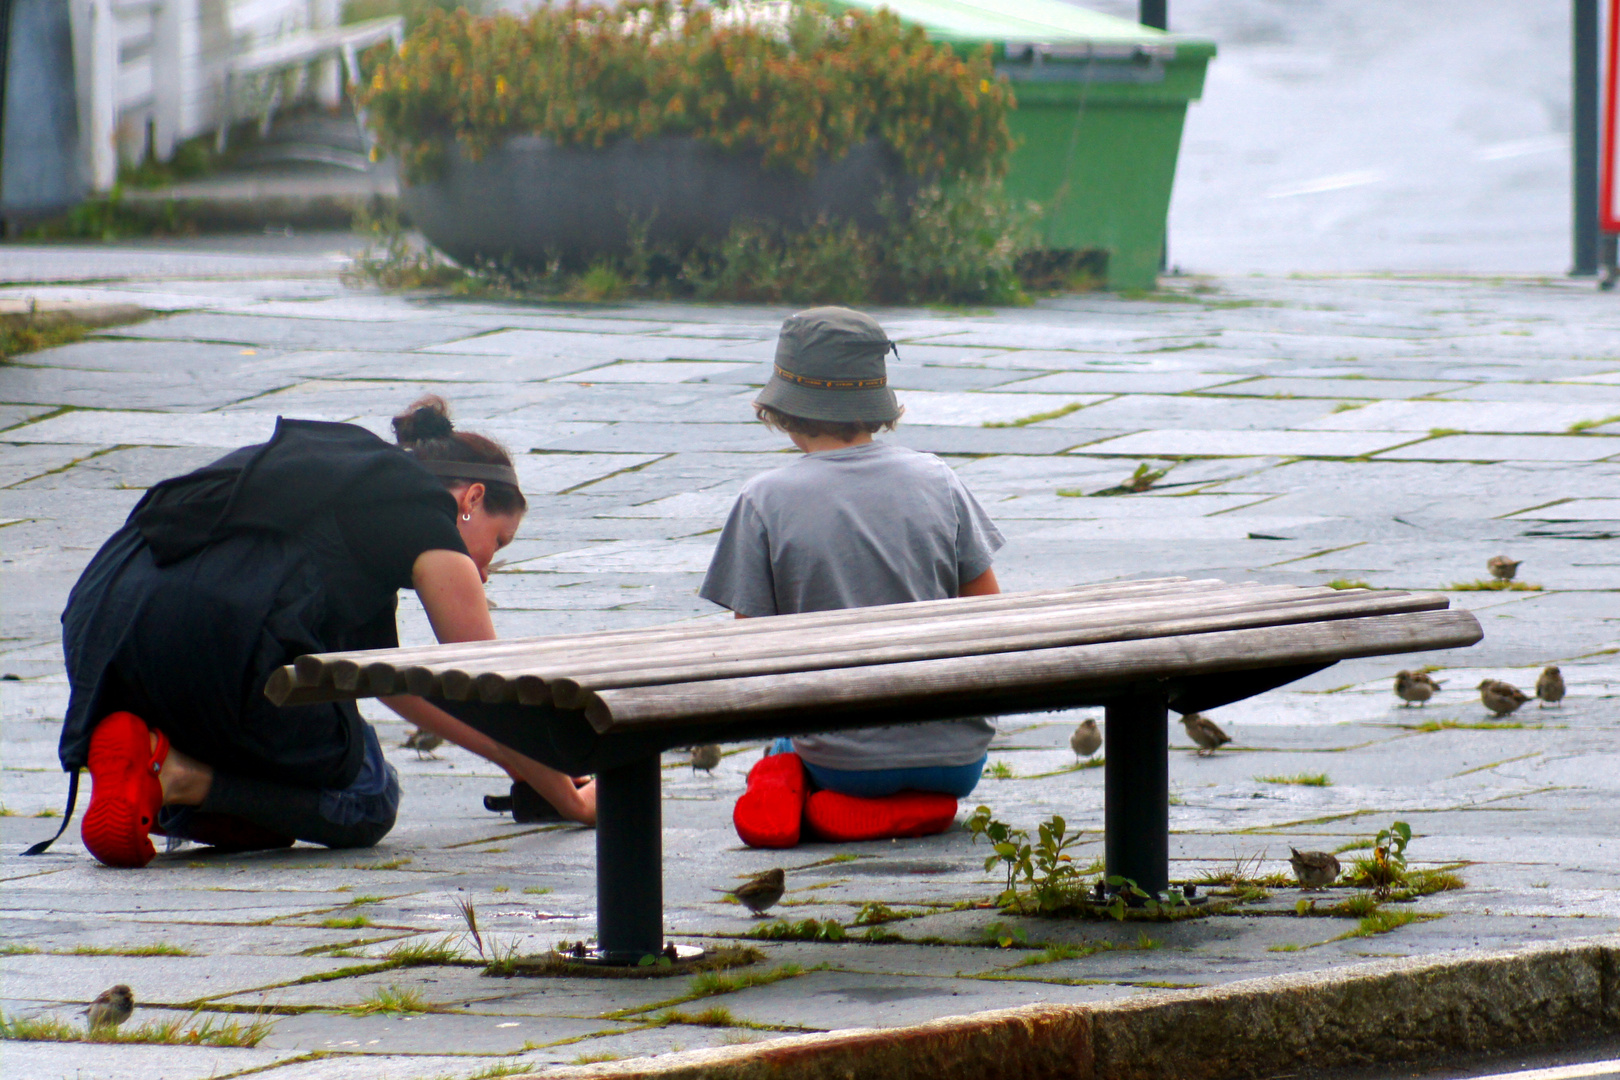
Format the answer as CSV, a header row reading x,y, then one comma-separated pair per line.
x,y
466,517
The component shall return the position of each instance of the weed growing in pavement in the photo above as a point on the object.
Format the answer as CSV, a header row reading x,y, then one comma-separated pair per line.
x,y
807,930
1492,585
180,1031
1298,779
999,770
1385,869
391,999
1346,583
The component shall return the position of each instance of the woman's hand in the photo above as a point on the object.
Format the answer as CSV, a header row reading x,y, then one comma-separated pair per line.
x,y
452,591
558,788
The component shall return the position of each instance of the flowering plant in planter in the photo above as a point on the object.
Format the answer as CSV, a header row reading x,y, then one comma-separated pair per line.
x,y
789,82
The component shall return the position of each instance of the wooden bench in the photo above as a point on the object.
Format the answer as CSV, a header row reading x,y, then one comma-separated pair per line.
x,y
611,702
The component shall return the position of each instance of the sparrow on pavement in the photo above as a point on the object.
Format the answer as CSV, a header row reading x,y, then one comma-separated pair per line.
x,y
1414,686
760,892
1204,732
424,743
111,1007
1550,687
1314,869
1500,697
705,757
1502,568
1086,740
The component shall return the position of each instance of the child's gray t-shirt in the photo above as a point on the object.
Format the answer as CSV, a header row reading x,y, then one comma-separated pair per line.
x,y
865,525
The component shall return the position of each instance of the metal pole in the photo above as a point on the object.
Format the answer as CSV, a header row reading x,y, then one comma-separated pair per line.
x,y
1584,117
629,862
1136,791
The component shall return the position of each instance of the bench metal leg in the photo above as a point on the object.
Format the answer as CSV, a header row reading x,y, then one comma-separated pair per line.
x,y
629,862
1136,783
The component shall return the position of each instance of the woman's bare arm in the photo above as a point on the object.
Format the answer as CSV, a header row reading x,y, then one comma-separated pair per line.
x,y
452,592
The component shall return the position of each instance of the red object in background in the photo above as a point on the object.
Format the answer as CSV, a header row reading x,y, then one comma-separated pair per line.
x,y
1608,211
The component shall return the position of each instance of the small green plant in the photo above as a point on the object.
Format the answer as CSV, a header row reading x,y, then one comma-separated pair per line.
x,y
392,259
157,948
1493,585
1005,936
1346,583
712,983
180,1031
874,913
534,890
714,1016
999,770
1044,867
1298,779
1143,478
595,1059
807,930
353,922
1385,869
391,999
1586,425
423,953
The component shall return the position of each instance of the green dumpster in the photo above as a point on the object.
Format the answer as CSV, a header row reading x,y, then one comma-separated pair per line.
x,y
1101,101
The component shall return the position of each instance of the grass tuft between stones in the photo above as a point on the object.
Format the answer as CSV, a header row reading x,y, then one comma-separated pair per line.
x,y
181,1031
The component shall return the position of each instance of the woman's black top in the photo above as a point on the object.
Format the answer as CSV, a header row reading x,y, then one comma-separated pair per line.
x,y
298,545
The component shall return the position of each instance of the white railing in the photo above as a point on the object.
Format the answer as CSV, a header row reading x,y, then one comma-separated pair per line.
x,y
153,73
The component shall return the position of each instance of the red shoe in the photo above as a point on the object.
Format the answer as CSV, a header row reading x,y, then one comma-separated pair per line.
x,y
768,814
833,816
125,795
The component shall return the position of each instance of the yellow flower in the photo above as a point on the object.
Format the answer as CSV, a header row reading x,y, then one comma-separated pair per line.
x,y
377,82
500,84
984,86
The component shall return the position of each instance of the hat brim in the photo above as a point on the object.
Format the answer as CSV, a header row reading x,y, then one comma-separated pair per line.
x,y
877,405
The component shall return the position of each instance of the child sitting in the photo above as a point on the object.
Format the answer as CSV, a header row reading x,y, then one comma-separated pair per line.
x,y
853,523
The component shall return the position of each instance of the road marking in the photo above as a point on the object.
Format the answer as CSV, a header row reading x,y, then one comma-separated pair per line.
x,y
1336,182
1562,1072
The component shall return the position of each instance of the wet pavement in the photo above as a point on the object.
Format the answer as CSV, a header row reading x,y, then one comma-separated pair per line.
x,y
1393,432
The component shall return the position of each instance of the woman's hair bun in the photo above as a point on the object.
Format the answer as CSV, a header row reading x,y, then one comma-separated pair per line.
x,y
426,419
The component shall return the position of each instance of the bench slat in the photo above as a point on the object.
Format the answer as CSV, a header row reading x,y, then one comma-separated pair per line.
x,y
317,671
1019,681
573,692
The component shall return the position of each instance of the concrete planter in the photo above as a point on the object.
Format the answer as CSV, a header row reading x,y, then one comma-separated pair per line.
x,y
530,200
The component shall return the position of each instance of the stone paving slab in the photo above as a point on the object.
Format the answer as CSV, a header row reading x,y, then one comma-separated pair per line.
x,y
631,462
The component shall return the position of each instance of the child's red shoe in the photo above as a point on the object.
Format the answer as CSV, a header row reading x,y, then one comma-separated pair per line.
x,y
125,795
834,816
767,815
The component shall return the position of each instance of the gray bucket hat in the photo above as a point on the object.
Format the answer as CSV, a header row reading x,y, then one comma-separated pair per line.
x,y
829,366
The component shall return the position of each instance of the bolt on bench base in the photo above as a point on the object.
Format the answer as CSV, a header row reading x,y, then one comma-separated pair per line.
x,y
1136,791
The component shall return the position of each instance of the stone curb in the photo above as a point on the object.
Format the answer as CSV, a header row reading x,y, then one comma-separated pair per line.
x,y
1363,1014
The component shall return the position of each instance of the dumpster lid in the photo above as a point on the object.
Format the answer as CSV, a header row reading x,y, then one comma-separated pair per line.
x,y
1060,27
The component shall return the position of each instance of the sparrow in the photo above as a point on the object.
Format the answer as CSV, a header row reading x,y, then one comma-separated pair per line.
x,y
1502,568
1500,697
1204,732
1314,869
705,757
1086,739
1550,687
424,743
1414,686
760,892
111,1007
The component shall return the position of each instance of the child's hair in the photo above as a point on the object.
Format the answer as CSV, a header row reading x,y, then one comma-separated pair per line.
x,y
424,430
847,430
